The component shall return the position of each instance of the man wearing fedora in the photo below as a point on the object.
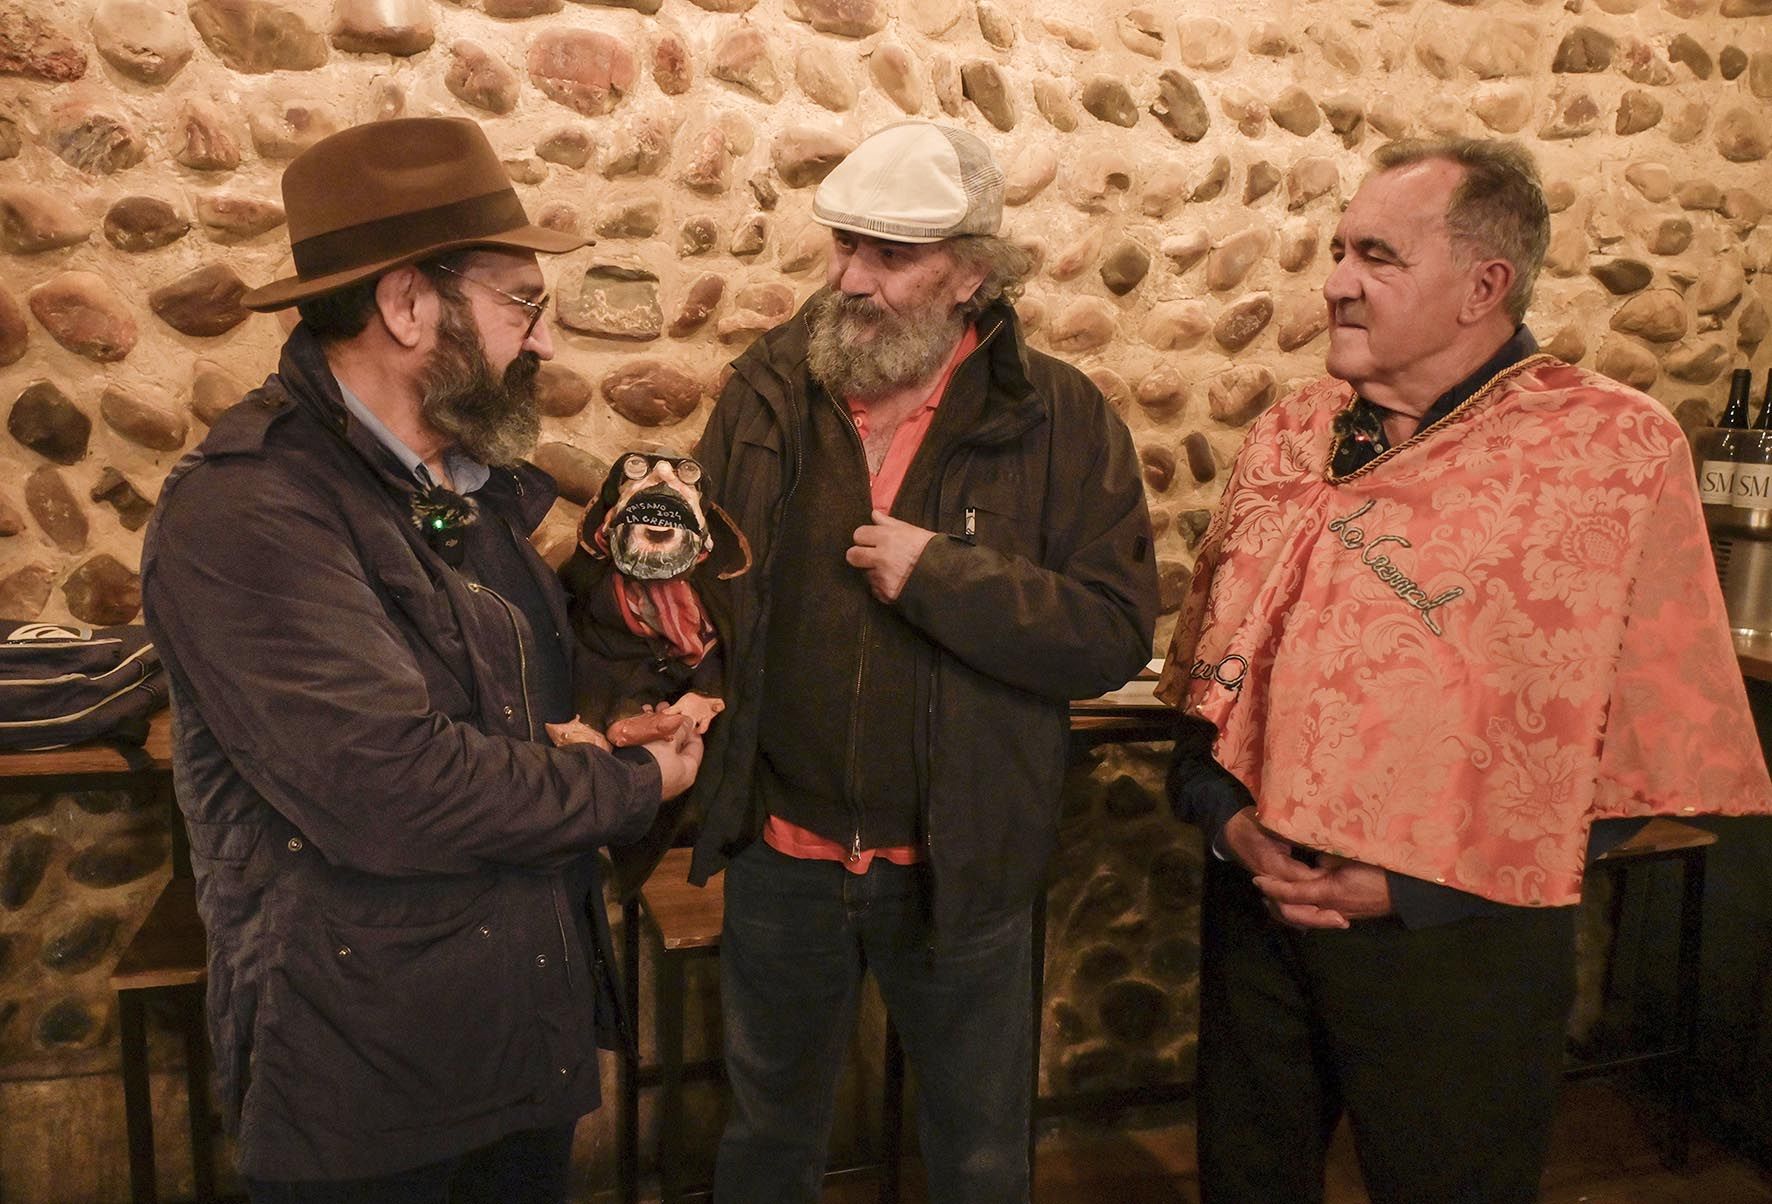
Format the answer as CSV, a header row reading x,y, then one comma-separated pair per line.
x,y
409,966
951,543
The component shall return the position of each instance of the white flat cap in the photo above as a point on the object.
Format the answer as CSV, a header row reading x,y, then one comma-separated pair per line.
x,y
913,182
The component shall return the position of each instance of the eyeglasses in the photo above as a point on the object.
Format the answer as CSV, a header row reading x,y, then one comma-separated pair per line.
x,y
535,308
636,465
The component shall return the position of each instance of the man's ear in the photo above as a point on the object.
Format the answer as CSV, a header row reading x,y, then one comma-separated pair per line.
x,y
407,304
1491,280
966,281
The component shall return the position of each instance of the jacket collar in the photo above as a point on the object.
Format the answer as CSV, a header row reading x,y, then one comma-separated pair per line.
x,y
775,366
523,492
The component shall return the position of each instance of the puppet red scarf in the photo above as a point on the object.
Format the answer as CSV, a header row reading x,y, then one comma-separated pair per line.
x,y
667,610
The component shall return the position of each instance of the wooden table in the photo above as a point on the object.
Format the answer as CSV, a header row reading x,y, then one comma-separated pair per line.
x,y
92,766
145,771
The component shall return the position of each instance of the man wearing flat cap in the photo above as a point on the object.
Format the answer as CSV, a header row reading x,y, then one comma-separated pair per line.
x,y
951,543
408,965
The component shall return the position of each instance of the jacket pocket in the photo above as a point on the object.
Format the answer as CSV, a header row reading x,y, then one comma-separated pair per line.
x,y
222,843
414,1026
760,430
433,631
996,516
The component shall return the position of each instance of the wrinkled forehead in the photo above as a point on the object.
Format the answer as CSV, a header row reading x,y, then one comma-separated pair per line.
x,y
1407,203
505,269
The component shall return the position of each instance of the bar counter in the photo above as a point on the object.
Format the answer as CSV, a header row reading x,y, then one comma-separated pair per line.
x,y
1755,654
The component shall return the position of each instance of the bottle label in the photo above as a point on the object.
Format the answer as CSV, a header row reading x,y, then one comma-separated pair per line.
x,y
1753,487
1716,481
1722,483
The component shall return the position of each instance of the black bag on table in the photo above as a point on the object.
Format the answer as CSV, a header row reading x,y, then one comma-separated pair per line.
x,y
62,683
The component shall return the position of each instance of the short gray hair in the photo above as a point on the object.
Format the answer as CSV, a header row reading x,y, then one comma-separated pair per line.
x,y
1497,211
1006,268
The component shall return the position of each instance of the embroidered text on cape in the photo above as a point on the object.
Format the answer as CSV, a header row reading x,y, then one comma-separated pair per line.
x,y
1228,672
1388,571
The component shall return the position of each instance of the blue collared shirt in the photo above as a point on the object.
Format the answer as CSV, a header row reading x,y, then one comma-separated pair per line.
x,y
467,473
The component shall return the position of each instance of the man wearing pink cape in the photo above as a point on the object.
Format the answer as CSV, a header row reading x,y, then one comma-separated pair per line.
x,y
1456,608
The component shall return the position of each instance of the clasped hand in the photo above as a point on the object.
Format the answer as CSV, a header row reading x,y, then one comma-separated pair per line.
x,y
679,759
1328,895
886,550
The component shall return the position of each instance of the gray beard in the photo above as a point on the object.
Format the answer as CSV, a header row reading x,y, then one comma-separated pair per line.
x,y
902,350
645,562
495,421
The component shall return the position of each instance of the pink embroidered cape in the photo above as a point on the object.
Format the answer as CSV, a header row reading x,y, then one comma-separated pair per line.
x,y
1451,661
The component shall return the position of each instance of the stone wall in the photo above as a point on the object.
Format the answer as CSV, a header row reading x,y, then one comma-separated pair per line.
x,y
1177,169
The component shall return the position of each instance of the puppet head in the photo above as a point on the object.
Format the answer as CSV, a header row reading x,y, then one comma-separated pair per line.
x,y
653,524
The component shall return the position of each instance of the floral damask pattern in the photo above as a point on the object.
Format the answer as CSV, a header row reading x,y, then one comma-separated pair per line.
x,y
1577,540
1450,661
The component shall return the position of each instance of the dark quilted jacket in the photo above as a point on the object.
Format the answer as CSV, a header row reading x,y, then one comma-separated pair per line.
x,y
392,864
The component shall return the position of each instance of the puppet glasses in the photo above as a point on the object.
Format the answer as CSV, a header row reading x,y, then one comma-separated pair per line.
x,y
636,466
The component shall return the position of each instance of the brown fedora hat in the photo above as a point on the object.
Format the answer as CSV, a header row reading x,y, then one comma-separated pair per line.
x,y
388,193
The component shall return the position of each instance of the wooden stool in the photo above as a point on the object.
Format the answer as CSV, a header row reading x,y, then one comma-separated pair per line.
x,y
1663,840
684,922
166,959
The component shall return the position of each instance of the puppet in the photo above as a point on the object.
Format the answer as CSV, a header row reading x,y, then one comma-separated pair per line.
x,y
649,664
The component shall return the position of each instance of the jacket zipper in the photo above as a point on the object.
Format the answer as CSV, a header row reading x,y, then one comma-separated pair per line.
x,y
861,663
854,769
854,737
529,722
971,537
522,657
560,924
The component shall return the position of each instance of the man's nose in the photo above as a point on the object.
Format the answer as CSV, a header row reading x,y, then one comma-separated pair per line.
x,y
541,339
857,278
1342,283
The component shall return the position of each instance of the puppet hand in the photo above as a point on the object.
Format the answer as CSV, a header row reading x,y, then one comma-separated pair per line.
x,y
699,707
887,550
649,725
573,731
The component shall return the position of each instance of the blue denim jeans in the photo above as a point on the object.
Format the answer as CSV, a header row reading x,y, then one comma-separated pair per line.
x,y
799,935
529,1167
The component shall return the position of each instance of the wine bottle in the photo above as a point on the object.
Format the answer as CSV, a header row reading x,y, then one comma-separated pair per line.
x,y
1741,383
1764,422
1753,462
1717,451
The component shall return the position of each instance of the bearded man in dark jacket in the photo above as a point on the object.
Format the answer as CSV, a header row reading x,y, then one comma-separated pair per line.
x,y
951,543
408,953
